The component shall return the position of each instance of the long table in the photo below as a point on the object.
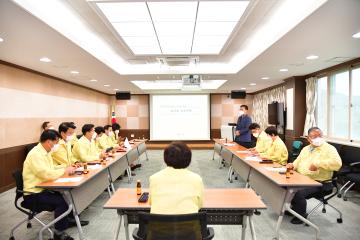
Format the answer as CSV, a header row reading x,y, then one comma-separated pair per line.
x,y
80,194
222,207
276,190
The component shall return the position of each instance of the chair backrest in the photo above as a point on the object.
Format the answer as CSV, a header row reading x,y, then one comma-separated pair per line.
x,y
166,227
17,175
297,145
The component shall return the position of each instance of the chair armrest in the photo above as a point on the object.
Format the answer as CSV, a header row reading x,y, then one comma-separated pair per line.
x,y
354,164
210,234
135,234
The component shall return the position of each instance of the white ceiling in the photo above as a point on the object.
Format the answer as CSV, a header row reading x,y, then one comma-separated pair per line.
x,y
325,32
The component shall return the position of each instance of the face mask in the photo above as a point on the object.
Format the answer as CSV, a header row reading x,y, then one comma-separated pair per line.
x,y
69,138
240,113
111,134
94,135
317,142
51,128
256,135
55,148
116,132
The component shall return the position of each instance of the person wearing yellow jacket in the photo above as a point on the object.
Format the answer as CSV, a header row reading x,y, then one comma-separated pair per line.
x,y
263,142
277,152
85,149
39,167
72,131
63,155
110,136
318,161
101,141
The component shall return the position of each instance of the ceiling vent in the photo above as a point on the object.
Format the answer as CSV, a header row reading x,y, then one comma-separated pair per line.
x,y
178,60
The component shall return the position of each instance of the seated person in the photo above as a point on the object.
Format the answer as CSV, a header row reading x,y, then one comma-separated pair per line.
x,y
72,128
63,155
38,168
116,128
318,161
85,149
101,139
175,189
47,126
277,152
111,141
263,142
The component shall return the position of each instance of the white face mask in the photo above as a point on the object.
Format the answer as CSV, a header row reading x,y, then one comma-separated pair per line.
x,y
51,128
256,134
317,142
116,132
55,148
240,113
69,138
94,135
111,133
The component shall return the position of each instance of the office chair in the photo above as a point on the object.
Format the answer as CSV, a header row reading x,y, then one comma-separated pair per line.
x,y
352,177
324,196
30,210
296,148
168,227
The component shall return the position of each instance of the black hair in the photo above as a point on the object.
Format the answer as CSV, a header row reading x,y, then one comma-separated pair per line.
x,y
49,135
106,127
271,131
115,126
99,130
87,128
244,106
63,127
314,129
71,125
177,155
254,126
44,125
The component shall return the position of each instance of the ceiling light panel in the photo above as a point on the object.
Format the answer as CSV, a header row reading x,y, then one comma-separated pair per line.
x,y
134,29
125,11
173,11
214,28
174,28
216,11
175,44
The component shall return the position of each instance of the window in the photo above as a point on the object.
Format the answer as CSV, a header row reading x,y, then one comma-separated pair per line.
x,y
355,104
321,108
339,105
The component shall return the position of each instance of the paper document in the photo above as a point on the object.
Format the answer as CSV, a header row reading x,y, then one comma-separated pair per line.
x,y
229,144
253,158
127,143
65,180
276,169
244,151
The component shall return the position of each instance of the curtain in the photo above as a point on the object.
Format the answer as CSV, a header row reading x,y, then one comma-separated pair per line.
x,y
311,99
261,101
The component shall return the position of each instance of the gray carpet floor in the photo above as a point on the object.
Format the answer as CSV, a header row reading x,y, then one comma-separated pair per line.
x,y
103,222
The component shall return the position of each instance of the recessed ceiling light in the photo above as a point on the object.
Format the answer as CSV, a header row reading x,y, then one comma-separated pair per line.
x,y
116,89
74,72
252,84
265,78
93,80
283,70
1,40
356,35
106,85
312,57
45,59
243,88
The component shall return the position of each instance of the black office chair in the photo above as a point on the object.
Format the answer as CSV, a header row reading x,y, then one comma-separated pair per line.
x,y
325,195
296,148
352,178
169,227
29,209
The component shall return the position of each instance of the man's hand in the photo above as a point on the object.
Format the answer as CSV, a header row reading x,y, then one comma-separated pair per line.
x,y
237,133
69,170
102,154
313,168
290,166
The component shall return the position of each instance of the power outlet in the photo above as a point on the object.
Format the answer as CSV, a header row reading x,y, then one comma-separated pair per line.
x,y
132,135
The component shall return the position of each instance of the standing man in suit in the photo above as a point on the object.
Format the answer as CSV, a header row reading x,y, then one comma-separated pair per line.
x,y
243,133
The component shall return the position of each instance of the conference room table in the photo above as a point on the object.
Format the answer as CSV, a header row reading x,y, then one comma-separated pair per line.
x,y
275,189
222,207
80,191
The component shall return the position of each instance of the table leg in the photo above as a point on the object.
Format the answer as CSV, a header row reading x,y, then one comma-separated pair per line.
x,y
277,229
304,220
252,229
67,196
244,223
118,226
126,225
